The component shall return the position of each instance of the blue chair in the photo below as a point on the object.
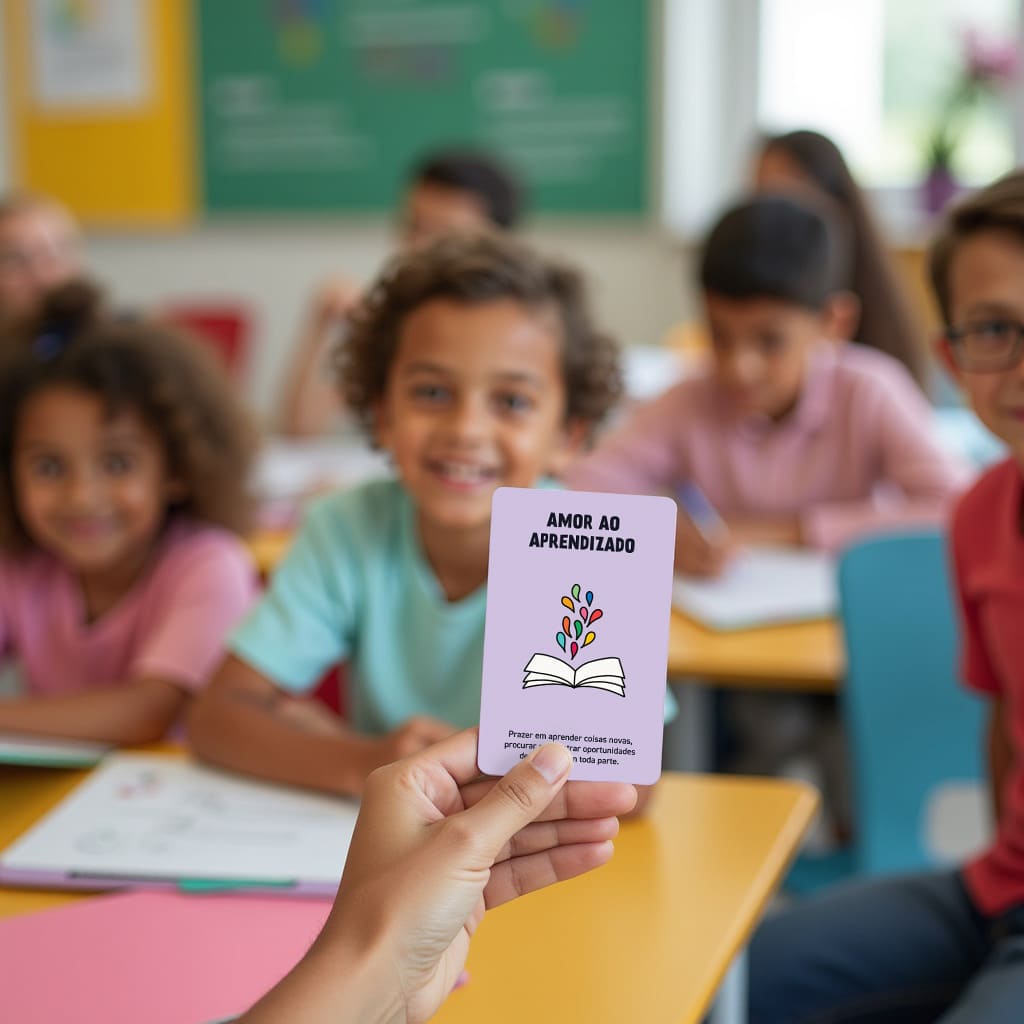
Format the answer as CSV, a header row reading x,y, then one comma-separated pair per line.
x,y
912,729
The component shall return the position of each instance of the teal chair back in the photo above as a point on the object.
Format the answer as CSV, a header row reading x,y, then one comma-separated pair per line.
x,y
912,728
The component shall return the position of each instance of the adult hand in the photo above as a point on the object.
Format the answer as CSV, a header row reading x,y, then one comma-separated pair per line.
x,y
434,847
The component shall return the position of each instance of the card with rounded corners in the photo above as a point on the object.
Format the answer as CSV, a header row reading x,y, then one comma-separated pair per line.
x,y
579,593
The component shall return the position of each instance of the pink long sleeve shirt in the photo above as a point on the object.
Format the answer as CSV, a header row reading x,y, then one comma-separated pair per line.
x,y
857,453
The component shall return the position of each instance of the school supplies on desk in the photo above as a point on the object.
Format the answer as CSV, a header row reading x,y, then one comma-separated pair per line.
x,y
162,958
49,752
761,586
142,820
576,639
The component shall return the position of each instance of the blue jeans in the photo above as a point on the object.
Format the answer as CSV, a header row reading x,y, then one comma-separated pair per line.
x,y
908,950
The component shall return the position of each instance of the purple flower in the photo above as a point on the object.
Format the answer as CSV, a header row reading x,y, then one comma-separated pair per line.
x,y
989,61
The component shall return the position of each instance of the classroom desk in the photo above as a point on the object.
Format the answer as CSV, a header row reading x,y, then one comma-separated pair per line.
x,y
26,794
803,657
651,934
267,547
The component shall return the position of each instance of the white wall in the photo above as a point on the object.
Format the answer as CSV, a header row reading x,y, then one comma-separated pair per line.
x,y
637,275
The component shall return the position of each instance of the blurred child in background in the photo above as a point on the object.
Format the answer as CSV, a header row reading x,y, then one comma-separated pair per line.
x,y
886,320
40,248
945,946
448,191
123,460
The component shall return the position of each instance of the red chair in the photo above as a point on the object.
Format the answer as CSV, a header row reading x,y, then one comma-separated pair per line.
x,y
332,691
227,327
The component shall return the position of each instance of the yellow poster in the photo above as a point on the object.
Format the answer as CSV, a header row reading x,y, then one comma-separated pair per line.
x,y
101,107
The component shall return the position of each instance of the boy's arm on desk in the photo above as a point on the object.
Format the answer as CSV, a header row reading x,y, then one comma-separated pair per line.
x,y
244,722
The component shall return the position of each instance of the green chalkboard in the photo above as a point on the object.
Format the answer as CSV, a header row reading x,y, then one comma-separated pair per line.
x,y
324,104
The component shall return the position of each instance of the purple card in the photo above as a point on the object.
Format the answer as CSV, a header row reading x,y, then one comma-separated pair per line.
x,y
579,593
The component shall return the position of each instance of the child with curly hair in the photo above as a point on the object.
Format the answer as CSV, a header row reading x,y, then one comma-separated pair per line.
x,y
123,458
475,364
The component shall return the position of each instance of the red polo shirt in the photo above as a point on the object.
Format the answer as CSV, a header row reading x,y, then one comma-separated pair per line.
x,y
988,551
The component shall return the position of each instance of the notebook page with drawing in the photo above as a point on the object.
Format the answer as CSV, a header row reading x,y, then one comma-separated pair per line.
x,y
762,586
146,819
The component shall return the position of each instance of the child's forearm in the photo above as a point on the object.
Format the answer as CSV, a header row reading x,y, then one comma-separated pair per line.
x,y
268,738
312,400
136,712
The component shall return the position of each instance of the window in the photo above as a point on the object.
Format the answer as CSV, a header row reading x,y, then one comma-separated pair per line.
x,y
875,76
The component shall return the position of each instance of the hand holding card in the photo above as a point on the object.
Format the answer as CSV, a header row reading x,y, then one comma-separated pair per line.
x,y
579,593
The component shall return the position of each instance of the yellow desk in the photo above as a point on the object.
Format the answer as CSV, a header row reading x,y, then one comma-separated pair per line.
x,y
648,937
806,656
268,547
26,794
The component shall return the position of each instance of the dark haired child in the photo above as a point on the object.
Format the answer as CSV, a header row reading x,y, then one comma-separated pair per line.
x,y
458,190
887,320
945,945
475,364
449,191
794,436
123,458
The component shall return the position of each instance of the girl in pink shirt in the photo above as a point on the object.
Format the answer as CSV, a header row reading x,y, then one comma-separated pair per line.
x,y
123,459
795,436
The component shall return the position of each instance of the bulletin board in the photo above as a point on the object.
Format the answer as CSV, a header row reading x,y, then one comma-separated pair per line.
x,y
101,106
324,104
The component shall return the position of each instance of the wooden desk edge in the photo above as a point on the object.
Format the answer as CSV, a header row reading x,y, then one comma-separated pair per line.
x,y
773,871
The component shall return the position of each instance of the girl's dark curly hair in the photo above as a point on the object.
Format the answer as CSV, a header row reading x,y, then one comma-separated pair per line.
x,y
170,381
474,269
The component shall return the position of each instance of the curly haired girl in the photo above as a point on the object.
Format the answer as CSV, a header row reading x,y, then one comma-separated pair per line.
x,y
123,457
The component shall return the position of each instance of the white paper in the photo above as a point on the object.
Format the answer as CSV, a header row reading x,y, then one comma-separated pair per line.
x,y
293,469
762,586
90,54
151,817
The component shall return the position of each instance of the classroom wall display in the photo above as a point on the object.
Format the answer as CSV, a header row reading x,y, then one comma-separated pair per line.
x,y
100,107
324,104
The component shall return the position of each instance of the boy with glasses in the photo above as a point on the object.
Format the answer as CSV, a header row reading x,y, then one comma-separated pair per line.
x,y
945,946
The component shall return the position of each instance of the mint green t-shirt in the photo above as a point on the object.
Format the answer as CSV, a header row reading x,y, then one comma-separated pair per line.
x,y
355,587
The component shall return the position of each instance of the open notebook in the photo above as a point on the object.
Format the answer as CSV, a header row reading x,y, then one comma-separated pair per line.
x,y
156,821
762,586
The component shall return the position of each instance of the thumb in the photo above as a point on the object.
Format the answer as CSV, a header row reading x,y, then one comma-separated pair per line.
x,y
519,797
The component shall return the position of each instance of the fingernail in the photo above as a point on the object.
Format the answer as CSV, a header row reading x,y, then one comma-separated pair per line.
x,y
552,761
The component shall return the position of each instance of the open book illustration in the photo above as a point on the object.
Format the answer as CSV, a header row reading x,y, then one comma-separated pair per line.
x,y
599,674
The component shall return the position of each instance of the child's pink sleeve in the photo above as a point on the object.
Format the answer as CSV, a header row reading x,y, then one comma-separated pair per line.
x,y
643,456
916,479
201,595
